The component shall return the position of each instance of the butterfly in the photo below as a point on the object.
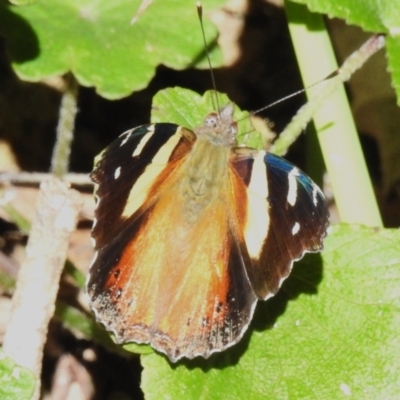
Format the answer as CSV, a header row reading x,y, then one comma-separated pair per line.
x,y
191,230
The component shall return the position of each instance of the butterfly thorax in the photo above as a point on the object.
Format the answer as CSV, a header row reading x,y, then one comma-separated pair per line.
x,y
206,168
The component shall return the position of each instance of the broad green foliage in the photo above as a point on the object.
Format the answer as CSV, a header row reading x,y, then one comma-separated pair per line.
x,y
97,42
331,332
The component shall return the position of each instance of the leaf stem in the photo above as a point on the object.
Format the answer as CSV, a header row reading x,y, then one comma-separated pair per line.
x,y
65,128
333,120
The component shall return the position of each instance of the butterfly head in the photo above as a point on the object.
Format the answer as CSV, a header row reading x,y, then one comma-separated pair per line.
x,y
220,128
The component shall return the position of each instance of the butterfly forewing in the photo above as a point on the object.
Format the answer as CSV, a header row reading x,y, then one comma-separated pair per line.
x,y
138,155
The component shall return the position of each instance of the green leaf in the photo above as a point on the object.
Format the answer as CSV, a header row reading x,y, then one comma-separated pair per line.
x,y
77,276
371,15
97,42
186,108
83,325
393,55
77,321
16,382
7,282
331,332
337,134
15,216
138,348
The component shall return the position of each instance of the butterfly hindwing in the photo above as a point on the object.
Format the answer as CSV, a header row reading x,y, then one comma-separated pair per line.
x,y
292,221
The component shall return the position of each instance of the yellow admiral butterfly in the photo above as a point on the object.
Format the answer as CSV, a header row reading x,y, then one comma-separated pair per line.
x,y
191,230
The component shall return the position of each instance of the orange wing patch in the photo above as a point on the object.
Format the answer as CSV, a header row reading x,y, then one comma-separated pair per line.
x,y
181,285
173,280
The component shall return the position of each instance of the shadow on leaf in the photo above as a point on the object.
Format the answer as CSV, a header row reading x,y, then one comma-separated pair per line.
x,y
304,279
22,41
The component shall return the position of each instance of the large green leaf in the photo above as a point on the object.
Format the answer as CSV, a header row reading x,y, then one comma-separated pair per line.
x,y
331,333
97,42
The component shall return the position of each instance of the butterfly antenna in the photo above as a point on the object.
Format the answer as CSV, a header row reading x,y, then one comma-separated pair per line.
x,y
281,100
294,93
343,73
200,14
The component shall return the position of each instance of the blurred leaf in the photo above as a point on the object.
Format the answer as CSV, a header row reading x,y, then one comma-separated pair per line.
x,y
16,382
82,323
78,277
15,216
7,282
97,42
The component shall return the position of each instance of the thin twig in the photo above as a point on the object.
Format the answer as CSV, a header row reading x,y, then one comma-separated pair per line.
x,y
33,302
65,129
35,178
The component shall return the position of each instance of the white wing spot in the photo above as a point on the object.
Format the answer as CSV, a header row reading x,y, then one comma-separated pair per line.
x,y
126,138
314,195
292,181
144,140
139,191
117,173
296,228
257,222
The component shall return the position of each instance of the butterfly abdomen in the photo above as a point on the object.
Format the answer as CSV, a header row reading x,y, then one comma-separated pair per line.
x,y
204,178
